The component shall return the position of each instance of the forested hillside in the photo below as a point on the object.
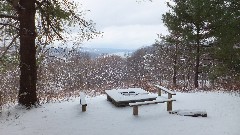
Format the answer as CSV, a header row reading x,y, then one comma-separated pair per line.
x,y
61,76
200,52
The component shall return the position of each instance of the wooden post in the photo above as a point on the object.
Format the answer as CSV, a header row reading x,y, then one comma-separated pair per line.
x,y
159,92
169,106
169,96
135,110
84,108
169,103
108,98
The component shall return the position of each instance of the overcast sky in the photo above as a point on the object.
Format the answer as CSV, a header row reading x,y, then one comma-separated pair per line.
x,y
126,24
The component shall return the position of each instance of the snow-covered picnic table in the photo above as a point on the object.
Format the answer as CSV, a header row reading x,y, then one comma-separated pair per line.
x,y
135,97
122,97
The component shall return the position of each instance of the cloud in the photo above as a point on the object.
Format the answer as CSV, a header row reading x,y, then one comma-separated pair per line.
x,y
125,12
127,36
125,23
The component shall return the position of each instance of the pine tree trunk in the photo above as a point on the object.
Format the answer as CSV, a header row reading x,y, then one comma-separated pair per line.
x,y
197,59
174,73
197,67
175,66
27,93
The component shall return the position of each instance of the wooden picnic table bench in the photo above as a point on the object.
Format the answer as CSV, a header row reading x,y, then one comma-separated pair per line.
x,y
161,88
170,94
83,101
160,99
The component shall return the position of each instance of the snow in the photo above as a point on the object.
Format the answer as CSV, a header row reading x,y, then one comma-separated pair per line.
x,y
82,98
130,94
159,99
165,89
103,118
189,112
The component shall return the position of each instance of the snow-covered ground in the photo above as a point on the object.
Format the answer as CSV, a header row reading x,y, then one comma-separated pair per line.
x,y
103,118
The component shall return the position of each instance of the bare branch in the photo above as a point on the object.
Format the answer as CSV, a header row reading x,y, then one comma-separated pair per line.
x,y
9,16
7,24
56,32
9,46
39,4
49,24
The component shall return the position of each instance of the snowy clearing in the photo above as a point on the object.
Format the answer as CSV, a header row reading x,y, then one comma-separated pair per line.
x,y
103,118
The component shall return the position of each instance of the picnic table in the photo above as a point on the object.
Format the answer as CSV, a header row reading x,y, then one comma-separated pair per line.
x,y
122,97
135,97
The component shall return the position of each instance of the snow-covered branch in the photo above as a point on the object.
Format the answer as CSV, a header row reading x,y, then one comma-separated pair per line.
x,y
8,16
9,46
7,24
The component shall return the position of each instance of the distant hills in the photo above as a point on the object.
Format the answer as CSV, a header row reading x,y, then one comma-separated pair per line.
x,y
108,51
94,52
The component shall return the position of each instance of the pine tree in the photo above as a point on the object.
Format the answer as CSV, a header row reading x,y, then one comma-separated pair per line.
x,y
189,20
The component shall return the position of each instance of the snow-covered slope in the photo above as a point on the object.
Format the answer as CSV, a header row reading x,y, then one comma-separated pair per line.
x,y
103,118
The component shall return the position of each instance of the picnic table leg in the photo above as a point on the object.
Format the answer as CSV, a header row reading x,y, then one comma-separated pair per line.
x,y
169,106
159,92
169,96
169,103
84,108
135,110
108,98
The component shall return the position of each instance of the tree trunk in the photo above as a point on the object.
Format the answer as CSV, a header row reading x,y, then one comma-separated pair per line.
x,y
196,68
175,66
27,93
197,59
174,73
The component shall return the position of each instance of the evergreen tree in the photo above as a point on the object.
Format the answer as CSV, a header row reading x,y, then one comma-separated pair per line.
x,y
225,23
190,20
